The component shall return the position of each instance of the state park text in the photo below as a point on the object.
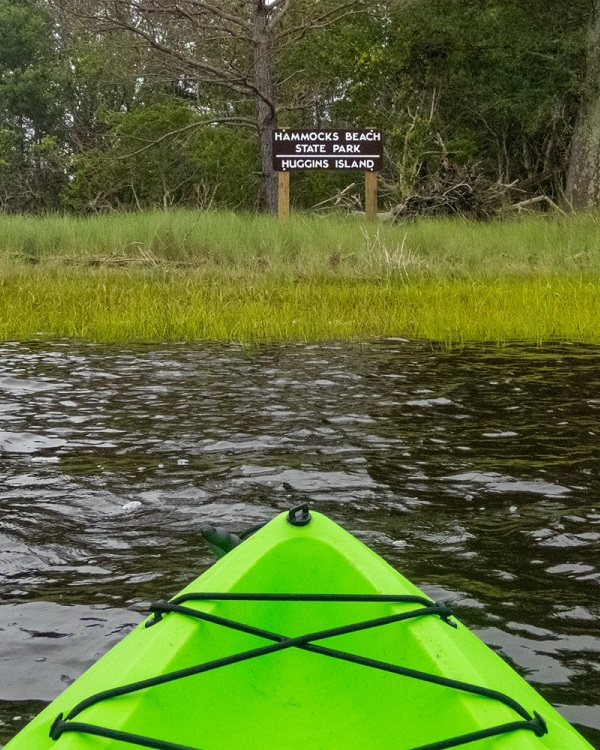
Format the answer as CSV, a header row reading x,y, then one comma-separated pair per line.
x,y
328,149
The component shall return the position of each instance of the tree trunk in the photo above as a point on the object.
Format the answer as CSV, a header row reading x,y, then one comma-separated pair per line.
x,y
267,119
583,177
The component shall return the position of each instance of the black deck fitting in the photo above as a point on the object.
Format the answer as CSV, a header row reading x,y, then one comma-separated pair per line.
x,y
299,516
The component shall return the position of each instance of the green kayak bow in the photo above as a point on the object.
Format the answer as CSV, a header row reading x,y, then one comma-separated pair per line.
x,y
300,637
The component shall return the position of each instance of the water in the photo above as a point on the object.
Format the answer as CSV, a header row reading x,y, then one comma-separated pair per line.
x,y
475,473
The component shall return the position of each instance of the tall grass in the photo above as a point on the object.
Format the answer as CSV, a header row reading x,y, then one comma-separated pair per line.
x,y
113,305
185,275
309,245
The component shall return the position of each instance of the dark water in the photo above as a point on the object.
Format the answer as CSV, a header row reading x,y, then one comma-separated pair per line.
x,y
476,473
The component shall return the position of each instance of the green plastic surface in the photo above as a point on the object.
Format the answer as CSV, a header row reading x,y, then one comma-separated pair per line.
x,y
294,699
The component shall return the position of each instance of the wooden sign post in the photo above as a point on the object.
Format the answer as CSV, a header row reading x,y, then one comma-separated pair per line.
x,y
328,149
371,196
283,195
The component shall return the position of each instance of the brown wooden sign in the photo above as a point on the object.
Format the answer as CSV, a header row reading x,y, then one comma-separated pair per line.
x,y
327,149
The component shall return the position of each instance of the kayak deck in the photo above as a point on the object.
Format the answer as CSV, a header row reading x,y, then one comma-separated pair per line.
x,y
293,694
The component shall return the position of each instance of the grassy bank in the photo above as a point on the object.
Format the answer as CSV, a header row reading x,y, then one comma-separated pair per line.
x,y
310,246
184,276
154,306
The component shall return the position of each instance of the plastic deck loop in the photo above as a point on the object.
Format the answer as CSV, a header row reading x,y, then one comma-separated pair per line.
x,y
299,516
535,723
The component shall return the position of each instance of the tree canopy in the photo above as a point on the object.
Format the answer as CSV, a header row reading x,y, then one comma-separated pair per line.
x,y
128,105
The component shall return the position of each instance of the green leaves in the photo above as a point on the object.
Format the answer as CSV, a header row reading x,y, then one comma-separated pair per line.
x,y
24,37
495,83
161,155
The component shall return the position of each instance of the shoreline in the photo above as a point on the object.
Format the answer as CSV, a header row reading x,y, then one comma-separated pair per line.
x,y
151,307
192,276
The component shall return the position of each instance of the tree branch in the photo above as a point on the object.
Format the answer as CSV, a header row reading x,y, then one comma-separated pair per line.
x,y
323,22
215,10
221,76
284,6
211,121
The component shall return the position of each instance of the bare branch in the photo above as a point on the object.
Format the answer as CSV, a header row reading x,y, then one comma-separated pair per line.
x,y
538,199
298,32
284,6
220,75
211,121
218,12
197,21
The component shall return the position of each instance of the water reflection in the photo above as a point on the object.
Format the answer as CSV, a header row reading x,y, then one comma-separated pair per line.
x,y
476,473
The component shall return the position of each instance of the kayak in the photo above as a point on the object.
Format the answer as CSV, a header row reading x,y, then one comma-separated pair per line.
x,y
300,637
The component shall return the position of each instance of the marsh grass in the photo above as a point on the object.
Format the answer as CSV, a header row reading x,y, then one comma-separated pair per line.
x,y
185,276
308,245
113,305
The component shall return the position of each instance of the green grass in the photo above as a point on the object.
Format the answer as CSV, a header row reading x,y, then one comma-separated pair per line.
x,y
112,305
310,246
186,276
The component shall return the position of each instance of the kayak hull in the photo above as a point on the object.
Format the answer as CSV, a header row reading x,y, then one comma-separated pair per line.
x,y
292,697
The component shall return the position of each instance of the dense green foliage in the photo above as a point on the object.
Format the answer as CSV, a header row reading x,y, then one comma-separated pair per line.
x,y
492,85
494,82
33,169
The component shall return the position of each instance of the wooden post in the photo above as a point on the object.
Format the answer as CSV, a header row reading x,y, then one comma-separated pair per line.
x,y
283,195
371,196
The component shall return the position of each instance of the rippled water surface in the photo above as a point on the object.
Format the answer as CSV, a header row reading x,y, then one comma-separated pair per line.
x,y
476,473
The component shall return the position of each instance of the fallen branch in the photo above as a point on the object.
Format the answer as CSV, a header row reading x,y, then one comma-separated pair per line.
x,y
342,199
538,199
